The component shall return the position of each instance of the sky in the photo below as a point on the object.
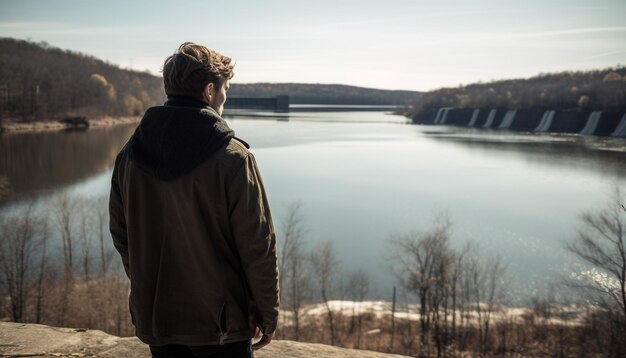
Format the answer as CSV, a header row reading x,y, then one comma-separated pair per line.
x,y
388,44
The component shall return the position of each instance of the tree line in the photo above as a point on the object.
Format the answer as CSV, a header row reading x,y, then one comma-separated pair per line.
x,y
40,82
315,93
58,267
582,90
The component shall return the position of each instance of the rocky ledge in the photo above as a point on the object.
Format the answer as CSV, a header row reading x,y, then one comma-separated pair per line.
x,y
35,340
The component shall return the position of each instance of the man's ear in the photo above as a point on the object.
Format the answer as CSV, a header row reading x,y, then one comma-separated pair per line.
x,y
208,91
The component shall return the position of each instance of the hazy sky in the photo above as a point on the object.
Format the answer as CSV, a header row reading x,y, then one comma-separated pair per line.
x,y
393,44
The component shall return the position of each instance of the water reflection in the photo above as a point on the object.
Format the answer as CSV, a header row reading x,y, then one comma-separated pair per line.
x,y
33,162
597,154
322,114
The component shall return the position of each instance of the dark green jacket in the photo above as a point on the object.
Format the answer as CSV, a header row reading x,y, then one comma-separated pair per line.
x,y
191,221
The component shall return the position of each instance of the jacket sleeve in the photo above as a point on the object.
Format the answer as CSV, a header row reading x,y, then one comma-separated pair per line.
x,y
117,220
253,233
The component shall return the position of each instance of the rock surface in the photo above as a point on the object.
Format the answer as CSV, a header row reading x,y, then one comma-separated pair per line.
x,y
34,340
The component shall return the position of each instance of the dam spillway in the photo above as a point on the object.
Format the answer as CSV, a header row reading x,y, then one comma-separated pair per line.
x,y
598,123
620,131
592,123
546,122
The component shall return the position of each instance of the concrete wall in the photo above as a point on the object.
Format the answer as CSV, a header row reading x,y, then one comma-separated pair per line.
x,y
499,117
525,120
608,122
482,117
459,116
569,121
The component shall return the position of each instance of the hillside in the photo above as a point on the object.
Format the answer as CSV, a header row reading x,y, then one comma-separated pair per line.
x,y
34,340
39,82
304,93
584,90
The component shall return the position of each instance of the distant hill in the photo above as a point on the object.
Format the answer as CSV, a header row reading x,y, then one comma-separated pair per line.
x,y
583,90
42,82
306,93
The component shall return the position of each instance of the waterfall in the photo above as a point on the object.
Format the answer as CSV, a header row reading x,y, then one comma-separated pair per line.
x,y
592,123
474,118
490,118
508,119
546,121
620,131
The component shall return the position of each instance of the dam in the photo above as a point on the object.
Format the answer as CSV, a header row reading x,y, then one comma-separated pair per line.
x,y
598,123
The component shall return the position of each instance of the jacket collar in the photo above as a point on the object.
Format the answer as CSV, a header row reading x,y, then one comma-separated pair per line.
x,y
173,139
184,101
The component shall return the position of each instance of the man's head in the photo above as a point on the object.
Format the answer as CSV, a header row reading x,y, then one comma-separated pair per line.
x,y
199,72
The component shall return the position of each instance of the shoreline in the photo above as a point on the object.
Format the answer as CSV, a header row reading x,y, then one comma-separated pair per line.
x,y
12,126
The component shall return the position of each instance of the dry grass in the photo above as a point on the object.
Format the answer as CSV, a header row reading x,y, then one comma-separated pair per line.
x,y
560,330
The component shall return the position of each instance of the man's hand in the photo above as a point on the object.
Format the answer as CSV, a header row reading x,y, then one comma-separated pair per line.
x,y
265,339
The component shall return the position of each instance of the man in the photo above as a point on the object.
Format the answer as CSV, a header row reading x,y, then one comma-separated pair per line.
x,y
190,219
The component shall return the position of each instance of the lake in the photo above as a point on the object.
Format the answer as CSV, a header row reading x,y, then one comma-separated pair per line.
x,y
364,176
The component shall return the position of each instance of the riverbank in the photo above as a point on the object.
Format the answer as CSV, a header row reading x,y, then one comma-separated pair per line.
x,y
13,126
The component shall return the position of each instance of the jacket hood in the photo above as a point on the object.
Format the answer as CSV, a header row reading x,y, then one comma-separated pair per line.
x,y
173,139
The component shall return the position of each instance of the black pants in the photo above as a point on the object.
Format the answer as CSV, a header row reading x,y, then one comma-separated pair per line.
x,y
235,350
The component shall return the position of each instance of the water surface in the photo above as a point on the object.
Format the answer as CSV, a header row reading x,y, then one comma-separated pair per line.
x,y
365,176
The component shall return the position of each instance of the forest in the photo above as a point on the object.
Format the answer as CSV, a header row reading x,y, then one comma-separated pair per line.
x,y
582,90
303,93
39,82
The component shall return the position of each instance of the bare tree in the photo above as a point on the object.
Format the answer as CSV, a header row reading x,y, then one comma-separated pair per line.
x,y
443,279
293,278
421,263
64,216
483,279
455,286
601,242
85,208
101,213
358,286
18,245
325,266
42,271
63,209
